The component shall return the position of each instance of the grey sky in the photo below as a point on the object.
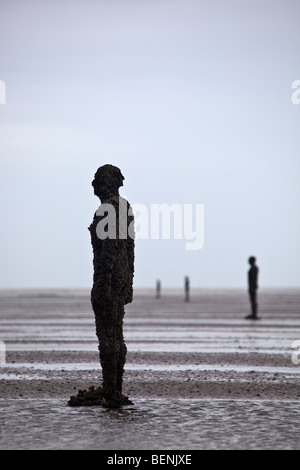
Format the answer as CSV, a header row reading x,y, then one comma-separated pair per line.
x,y
190,98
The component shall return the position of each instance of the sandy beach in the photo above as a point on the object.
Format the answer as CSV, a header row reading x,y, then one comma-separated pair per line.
x,y
204,349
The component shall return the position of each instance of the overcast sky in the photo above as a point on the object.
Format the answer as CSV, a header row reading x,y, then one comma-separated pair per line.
x,y
190,98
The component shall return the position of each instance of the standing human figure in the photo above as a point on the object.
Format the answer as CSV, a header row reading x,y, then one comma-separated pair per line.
x,y
158,289
113,260
187,288
252,287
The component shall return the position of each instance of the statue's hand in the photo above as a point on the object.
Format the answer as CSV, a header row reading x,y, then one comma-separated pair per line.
x,y
129,297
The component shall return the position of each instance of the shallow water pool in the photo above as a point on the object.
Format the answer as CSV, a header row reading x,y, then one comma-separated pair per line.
x,y
154,424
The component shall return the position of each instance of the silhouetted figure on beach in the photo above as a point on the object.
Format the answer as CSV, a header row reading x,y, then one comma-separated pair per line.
x,y
112,238
252,287
187,288
158,289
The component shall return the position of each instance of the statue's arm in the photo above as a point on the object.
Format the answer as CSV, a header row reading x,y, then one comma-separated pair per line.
x,y
130,256
104,259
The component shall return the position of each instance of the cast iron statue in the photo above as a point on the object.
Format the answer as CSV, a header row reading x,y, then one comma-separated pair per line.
x,y
112,238
252,287
187,288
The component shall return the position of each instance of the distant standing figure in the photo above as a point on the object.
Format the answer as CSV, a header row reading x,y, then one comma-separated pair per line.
x,y
158,289
252,287
187,288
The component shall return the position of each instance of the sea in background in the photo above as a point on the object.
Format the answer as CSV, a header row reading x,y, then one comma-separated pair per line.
x,y
49,340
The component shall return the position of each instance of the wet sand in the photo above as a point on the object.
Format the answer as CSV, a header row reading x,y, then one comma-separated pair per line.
x,y
202,349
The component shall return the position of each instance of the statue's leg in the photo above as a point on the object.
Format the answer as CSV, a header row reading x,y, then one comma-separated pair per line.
x,y
122,348
252,295
108,351
254,304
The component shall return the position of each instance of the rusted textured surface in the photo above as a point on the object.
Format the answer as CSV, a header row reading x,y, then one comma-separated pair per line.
x,y
113,262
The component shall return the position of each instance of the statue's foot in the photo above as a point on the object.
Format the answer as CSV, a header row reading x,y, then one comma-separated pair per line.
x,y
91,397
95,397
116,401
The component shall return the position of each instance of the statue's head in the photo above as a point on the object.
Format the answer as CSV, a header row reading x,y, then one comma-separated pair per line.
x,y
252,260
107,180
